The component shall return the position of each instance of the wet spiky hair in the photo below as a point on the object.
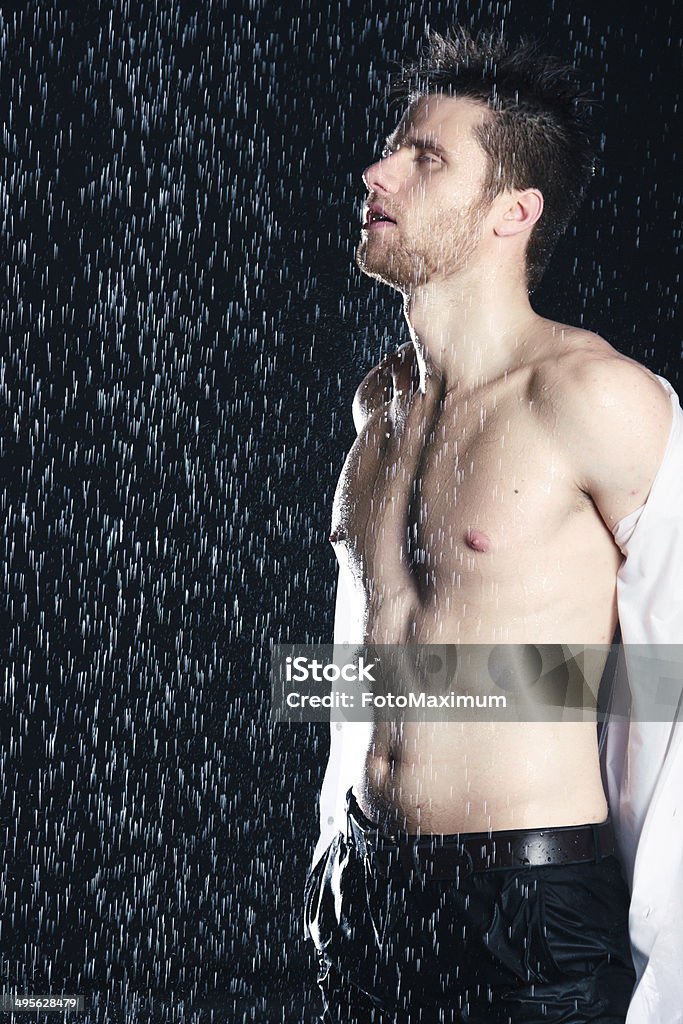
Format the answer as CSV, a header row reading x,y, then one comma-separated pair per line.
x,y
537,136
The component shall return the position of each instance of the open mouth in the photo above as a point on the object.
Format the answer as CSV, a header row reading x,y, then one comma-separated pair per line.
x,y
376,219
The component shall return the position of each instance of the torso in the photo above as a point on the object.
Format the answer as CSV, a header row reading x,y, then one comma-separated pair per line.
x,y
458,519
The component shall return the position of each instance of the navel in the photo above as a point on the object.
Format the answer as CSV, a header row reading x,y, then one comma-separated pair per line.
x,y
477,540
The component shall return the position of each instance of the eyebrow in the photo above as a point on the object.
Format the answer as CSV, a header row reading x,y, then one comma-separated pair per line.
x,y
413,140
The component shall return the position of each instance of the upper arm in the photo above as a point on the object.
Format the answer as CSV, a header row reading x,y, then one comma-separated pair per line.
x,y
617,419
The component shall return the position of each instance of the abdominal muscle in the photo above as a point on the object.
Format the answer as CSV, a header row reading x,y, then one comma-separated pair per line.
x,y
449,776
446,777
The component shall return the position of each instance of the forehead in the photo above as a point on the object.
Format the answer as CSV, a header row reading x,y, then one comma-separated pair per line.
x,y
448,120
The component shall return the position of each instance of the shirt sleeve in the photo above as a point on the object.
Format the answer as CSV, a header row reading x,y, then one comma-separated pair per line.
x,y
644,751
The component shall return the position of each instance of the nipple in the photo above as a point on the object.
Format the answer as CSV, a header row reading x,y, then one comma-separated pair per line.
x,y
477,540
337,535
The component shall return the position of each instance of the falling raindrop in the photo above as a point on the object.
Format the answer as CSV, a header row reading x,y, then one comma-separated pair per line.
x,y
183,331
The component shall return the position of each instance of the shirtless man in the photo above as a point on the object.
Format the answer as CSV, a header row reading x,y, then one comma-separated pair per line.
x,y
496,452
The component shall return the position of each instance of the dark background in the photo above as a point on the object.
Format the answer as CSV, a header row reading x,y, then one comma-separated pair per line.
x,y
182,331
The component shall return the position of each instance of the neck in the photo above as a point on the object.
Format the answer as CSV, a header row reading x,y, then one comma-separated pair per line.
x,y
470,330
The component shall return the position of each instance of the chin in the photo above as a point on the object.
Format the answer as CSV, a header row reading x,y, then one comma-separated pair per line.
x,y
387,270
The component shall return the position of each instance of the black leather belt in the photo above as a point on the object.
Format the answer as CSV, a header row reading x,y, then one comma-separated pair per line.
x,y
443,857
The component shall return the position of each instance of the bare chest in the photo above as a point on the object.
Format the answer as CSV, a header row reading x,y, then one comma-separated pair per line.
x,y
458,487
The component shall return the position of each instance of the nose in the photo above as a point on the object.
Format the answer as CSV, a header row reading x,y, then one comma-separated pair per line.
x,y
382,176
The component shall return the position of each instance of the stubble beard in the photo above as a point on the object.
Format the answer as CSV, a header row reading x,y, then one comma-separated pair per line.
x,y
440,251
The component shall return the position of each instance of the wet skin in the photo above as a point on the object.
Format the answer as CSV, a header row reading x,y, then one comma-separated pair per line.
x,y
456,520
495,452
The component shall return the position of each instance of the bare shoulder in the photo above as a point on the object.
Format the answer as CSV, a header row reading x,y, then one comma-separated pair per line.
x,y
377,387
587,378
612,414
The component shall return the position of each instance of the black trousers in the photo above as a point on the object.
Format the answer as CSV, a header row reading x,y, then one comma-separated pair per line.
x,y
501,946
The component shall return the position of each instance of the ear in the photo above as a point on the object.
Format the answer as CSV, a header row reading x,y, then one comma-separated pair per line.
x,y
520,214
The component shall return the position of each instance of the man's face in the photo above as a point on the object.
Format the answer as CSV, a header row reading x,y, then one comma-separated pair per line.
x,y
429,182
